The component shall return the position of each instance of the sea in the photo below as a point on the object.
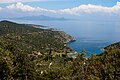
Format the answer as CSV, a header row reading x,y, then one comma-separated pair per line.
x,y
91,36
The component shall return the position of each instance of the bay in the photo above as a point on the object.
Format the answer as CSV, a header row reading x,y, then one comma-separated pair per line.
x,y
91,36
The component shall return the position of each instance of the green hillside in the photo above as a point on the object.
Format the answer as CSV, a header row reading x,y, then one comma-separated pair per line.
x,y
29,38
17,40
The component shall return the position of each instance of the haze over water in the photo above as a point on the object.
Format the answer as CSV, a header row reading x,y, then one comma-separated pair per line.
x,y
91,36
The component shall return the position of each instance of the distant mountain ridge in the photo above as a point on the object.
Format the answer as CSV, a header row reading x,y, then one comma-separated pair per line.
x,y
40,17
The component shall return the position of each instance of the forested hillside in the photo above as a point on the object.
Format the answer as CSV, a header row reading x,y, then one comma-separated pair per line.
x,y
29,38
20,60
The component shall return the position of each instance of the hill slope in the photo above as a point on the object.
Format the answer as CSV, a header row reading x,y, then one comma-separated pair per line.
x,y
18,65
114,46
29,38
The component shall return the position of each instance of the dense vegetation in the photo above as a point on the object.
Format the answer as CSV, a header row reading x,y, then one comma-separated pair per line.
x,y
17,64
29,38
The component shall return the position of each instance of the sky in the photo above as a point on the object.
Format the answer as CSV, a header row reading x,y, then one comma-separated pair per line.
x,y
18,8
59,4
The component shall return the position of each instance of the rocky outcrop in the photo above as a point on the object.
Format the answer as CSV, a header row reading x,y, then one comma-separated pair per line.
x,y
67,38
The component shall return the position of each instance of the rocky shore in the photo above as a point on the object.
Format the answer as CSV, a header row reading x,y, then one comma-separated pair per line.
x,y
67,37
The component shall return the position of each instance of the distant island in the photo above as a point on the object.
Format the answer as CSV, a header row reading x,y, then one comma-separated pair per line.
x,y
40,17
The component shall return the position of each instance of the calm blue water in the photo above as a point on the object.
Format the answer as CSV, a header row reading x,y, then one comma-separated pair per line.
x,y
91,36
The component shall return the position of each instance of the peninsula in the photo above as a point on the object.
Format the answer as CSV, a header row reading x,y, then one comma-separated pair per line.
x,y
34,37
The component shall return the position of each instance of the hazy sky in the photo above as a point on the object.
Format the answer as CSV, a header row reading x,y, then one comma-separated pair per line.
x,y
17,8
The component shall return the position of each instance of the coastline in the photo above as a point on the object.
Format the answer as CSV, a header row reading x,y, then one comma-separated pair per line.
x,y
68,38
